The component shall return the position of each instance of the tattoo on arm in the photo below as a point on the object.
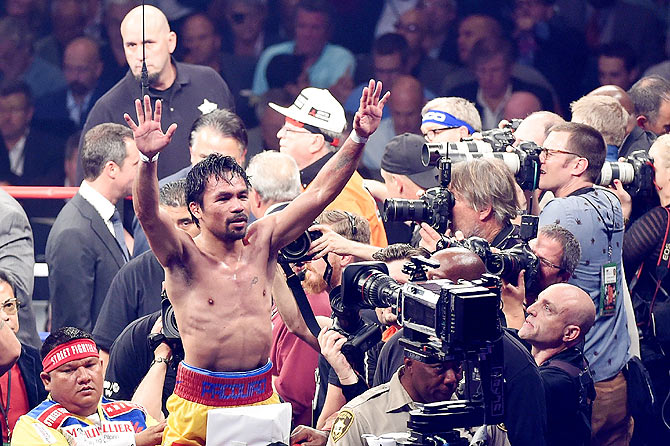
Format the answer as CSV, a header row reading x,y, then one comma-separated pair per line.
x,y
344,160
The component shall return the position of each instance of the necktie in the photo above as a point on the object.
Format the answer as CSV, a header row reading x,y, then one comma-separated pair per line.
x,y
118,233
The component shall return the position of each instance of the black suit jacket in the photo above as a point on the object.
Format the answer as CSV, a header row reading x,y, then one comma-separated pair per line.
x,y
52,116
43,159
83,258
30,366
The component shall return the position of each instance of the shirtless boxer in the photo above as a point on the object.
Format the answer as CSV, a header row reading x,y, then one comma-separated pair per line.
x,y
219,283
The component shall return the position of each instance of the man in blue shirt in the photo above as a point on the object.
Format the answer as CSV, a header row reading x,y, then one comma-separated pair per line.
x,y
570,163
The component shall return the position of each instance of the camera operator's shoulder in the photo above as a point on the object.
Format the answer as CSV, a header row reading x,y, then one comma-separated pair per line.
x,y
371,394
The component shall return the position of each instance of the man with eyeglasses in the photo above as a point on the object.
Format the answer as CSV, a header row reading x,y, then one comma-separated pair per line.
x,y
311,133
20,386
449,119
558,252
570,162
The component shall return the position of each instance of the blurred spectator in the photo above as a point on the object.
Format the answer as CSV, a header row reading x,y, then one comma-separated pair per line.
x,y
471,29
68,20
201,41
520,105
35,157
606,115
440,41
413,26
635,23
112,51
264,137
390,14
617,65
287,71
405,104
245,34
17,260
202,46
65,111
389,60
327,64
32,12
18,63
186,91
491,61
545,42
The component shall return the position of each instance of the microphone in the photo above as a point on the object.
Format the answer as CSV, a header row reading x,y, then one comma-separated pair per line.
x,y
144,77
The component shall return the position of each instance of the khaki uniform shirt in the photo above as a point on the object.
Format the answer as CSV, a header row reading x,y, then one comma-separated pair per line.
x,y
381,410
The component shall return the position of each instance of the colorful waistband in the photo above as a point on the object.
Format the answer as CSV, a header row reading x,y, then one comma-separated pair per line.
x,y
223,389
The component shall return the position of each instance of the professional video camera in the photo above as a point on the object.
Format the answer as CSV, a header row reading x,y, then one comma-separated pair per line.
x,y
636,173
442,321
507,263
523,162
434,207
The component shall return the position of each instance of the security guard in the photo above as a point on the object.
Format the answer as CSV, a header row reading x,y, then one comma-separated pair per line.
x,y
385,409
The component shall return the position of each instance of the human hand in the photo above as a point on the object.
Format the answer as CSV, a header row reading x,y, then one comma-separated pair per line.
x,y
148,134
330,241
624,198
151,436
513,298
369,113
331,343
429,237
308,436
163,350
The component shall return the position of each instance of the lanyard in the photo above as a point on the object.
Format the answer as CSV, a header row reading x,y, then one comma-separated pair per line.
x,y
4,409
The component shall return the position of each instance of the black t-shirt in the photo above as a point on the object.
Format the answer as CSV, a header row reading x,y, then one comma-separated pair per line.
x,y
129,360
134,292
567,423
525,410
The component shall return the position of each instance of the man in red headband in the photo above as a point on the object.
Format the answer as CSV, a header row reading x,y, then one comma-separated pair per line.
x,y
75,412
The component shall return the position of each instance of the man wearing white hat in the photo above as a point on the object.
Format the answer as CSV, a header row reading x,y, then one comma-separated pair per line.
x,y
311,134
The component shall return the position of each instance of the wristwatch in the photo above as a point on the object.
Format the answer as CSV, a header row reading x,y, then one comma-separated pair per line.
x,y
159,360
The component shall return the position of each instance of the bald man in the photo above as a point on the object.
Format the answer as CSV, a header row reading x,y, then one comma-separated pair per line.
x,y
555,327
187,91
525,411
405,106
520,105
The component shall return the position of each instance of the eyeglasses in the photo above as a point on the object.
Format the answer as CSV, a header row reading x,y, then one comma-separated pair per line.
x,y
548,264
546,153
431,134
11,306
288,129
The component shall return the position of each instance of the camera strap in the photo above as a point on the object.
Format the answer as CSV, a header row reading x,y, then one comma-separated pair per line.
x,y
295,285
662,267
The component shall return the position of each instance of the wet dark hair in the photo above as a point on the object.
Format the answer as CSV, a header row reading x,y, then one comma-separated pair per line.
x,y
221,167
61,336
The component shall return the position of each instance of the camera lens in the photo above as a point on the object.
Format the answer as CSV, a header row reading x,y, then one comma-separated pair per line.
x,y
405,210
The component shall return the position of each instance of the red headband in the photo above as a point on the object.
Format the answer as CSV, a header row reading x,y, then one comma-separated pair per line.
x,y
70,351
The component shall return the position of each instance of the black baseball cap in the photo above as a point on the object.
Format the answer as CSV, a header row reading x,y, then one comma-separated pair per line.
x,y
402,156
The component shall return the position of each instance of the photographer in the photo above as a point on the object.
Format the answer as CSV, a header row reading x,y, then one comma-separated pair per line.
x,y
556,325
485,202
525,410
570,163
558,252
644,247
449,119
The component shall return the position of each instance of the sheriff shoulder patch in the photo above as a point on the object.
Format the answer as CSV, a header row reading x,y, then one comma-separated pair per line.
x,y
341,424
